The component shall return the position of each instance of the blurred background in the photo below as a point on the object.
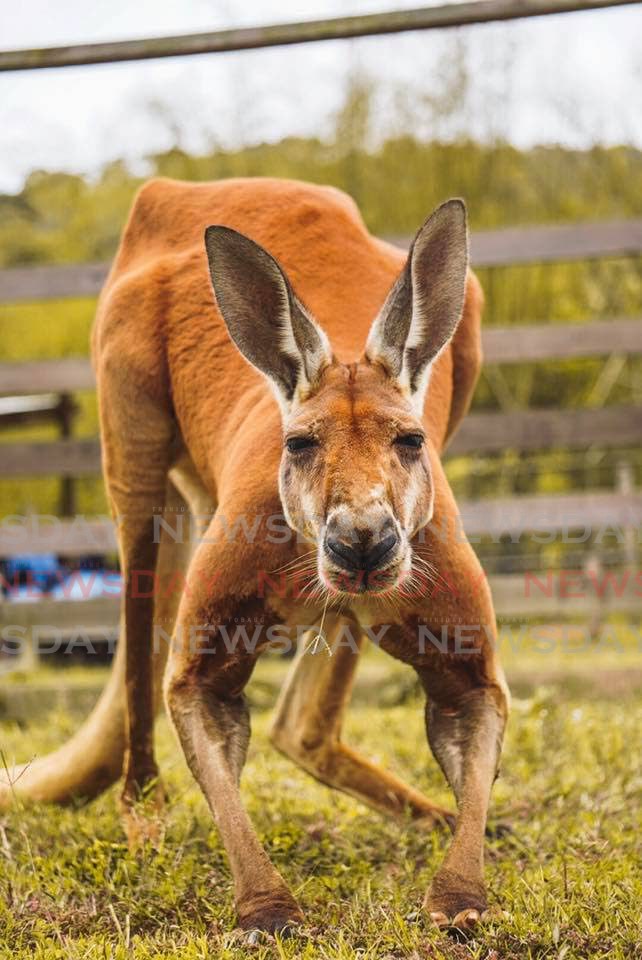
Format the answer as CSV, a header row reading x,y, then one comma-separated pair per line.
x,y
535,122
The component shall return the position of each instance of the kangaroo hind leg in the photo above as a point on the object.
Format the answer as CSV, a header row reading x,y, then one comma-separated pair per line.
x,y
137,436
309,717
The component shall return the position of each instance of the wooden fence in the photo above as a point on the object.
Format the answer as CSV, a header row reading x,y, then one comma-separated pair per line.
x,y
483,433
516,594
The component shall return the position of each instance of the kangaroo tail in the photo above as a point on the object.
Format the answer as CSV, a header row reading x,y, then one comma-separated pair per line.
x,y
84,766
93,758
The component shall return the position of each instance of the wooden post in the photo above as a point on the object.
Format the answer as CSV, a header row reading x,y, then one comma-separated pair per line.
x,y
66,412
593,573
625,484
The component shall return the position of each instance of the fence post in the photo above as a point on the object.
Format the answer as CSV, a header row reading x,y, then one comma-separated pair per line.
x,y
625,484
593,574
29,653
66,412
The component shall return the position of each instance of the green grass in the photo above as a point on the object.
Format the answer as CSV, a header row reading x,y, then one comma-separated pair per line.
x,y
568,873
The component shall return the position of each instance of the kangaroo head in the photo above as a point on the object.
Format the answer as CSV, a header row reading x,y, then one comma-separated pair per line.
x,y
354,475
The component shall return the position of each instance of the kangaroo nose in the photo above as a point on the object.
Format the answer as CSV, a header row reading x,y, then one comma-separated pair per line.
x,y
361,550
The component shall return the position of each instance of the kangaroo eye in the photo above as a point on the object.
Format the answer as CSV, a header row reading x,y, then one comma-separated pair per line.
x,y
413,440
295,444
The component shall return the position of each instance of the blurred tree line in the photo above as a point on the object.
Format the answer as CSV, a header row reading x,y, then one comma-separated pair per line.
x,y
61,217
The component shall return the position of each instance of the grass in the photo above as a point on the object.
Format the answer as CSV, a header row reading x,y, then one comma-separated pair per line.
x,y
567,873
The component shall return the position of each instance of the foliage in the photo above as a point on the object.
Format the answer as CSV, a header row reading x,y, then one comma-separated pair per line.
x,y
567,874
61,218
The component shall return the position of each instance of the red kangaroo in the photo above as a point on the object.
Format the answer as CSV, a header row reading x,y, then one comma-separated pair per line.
x,y
362,362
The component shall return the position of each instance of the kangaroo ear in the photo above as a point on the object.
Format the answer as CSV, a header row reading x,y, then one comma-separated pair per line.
x,y
265,319
423,308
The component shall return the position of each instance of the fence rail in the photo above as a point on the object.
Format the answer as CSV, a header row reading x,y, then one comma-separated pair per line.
x,y
66,374
557,595
480,433
489,248
548,341
531,430
514,516
518,344
282,34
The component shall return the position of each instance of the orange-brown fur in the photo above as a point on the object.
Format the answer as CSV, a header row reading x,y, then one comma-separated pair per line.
x,y
157,315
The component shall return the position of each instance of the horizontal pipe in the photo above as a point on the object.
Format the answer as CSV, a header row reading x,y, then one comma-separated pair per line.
x,y
281,34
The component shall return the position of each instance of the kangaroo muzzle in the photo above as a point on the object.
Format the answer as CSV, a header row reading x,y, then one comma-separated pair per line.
x,y
361,552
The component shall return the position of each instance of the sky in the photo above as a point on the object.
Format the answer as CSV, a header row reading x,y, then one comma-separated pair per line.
x,y
574,79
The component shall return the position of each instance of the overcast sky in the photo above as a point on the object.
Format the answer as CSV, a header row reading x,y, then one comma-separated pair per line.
x,y
574,79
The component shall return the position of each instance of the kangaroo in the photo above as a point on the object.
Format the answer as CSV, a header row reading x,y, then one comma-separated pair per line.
x,y
289,366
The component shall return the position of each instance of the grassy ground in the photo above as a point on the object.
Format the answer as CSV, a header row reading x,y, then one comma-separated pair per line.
x,y
568,873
